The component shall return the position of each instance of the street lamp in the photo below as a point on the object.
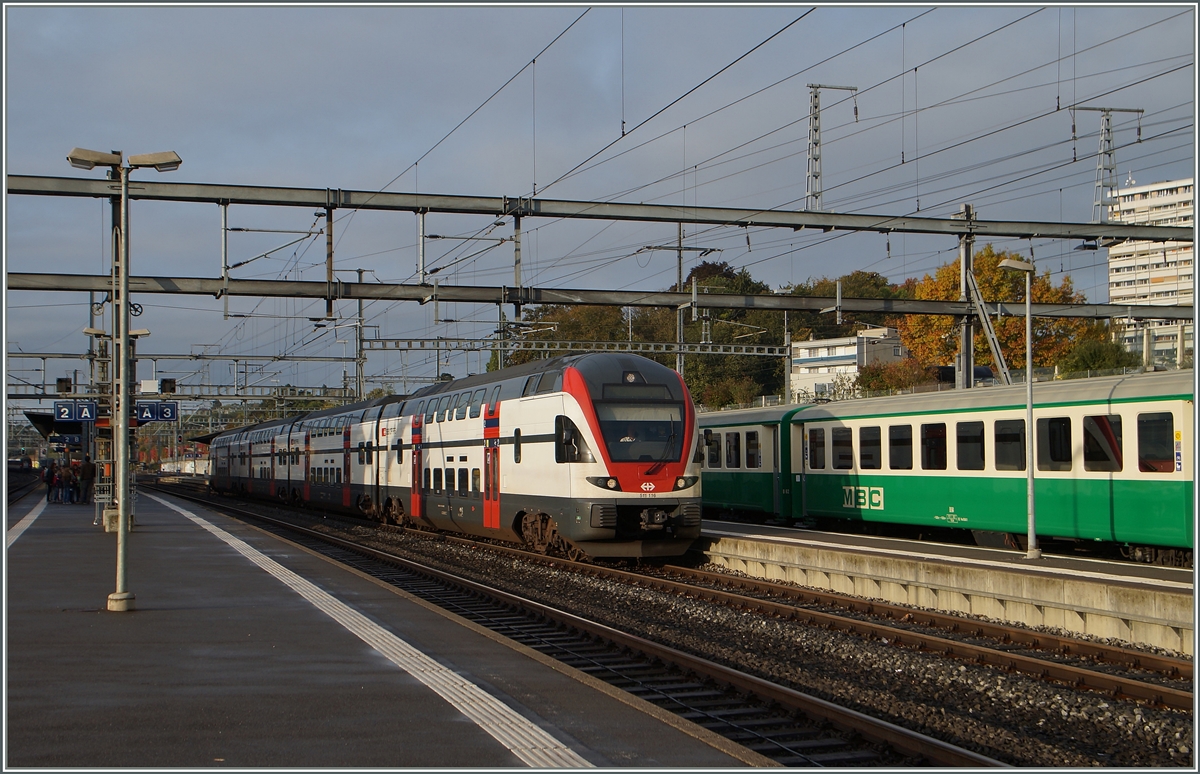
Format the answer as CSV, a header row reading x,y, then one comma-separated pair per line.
x,y
1026,268
122,599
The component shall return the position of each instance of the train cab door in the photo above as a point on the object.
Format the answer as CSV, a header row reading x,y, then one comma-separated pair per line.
x,y
416,499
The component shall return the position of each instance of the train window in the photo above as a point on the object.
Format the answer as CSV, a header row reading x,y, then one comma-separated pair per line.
x,y
970,445
443,408
933,446
420,409
492,401
426,485
462,481
517,445
362,453
449,481
392,410
699,455
733,450
437,480
1102,443
1054,443
464,402
816,448
900,455
531,385
399,447
569,445
431,410
477,402
753,450
843,447
1156,436
714,451
870,448
1010,444
549,381
337,475
475,481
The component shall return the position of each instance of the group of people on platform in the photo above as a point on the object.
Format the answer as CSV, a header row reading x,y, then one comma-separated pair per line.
x,y
70,482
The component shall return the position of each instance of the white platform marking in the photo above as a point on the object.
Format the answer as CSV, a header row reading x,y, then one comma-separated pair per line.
x,y
529,742
25,523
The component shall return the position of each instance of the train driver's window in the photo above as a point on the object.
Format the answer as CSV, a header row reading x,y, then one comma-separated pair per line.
x,y
714,451
1010,444
517,445
816,448
1054,443
462,481
530,385
970,445
843,447
1156,437
1102,443
870,448
933,446
733,450
477,402
437,480
900,454
753,450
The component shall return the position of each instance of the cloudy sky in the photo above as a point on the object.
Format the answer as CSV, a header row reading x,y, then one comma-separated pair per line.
x,y
954,104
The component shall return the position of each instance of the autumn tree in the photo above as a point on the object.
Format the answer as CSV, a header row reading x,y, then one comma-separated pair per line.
x,y
856,284
933,339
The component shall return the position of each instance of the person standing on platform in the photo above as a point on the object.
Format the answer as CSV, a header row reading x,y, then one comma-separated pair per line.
x,y
87,478
48,478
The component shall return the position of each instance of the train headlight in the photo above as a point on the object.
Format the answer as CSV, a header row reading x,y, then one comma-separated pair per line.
x,y
683,482
605,482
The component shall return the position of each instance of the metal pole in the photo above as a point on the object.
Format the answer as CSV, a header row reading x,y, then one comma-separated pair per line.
x,y
679,312
329,263
225,254
1032,552
517,266
420,248
965,378
359,357
122,599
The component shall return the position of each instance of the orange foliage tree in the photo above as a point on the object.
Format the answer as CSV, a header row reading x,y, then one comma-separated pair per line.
x,y
933,339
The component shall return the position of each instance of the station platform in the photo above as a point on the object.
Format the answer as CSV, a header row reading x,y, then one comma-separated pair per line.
x,y
245,650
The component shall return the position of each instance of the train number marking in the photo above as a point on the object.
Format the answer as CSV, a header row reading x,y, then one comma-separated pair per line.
x,y
863,497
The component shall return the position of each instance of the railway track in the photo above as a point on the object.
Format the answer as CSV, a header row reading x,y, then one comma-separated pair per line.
x,y
20,485
787,726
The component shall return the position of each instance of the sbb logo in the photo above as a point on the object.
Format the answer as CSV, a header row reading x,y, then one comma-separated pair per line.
x,y
647,487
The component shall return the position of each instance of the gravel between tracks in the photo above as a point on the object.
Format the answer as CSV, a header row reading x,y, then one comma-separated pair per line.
x,y
1013,718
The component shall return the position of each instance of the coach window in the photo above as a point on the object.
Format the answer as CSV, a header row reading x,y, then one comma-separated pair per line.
x,y
733,450
338,474
549,382
843,447
475,479
464,403
714,451
870,448
530,385
753,450
900,455
1010,444
1054,443
362,453
445,406
477,402
437,480
425,486
970,445
933,446
462,481
494,400
816,448
517,445
431,410
1156,437
1102,443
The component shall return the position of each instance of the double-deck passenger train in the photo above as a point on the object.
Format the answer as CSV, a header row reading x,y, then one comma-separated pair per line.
x,y
1113,463
587,454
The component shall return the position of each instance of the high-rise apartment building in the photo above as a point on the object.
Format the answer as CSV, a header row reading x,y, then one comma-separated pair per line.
x,y
1155,273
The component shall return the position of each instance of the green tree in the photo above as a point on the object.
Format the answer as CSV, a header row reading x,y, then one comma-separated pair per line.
x,y
1098,355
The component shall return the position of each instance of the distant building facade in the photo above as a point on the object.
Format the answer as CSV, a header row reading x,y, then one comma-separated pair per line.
x,y
817,363
1155,273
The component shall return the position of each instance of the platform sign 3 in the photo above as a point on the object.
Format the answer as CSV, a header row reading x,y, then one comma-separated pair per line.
x,y
158,411
168,411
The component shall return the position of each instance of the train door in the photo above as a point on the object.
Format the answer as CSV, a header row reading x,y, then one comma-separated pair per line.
x,y
416,499
307,486
772,447
491,464
346,496
274,490
248,454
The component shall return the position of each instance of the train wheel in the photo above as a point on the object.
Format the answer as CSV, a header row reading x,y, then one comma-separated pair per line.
x,y
539,531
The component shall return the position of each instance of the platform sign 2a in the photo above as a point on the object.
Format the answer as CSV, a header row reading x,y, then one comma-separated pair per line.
x,y
75,411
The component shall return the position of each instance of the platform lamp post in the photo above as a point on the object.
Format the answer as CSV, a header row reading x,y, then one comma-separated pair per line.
x,y
1026,268
121,600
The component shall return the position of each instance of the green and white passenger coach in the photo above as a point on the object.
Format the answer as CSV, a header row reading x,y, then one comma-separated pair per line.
x,y
1114,463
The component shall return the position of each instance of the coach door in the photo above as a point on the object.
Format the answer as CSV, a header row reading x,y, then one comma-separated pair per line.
x,y
416,504
491,462
273,489
307,487
346,496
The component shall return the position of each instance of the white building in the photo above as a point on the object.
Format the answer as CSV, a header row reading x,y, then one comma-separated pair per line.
x,y
816,364
1155,273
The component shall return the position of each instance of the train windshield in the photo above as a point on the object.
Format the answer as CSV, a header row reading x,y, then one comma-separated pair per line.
x,y
641,431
